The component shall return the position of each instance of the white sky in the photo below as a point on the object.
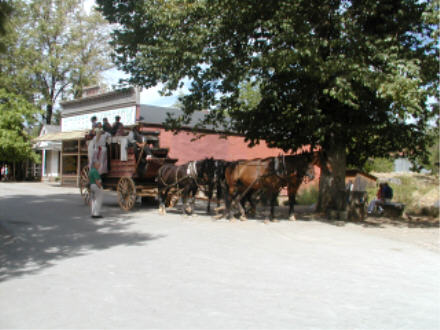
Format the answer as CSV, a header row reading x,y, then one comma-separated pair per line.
x,y
148,96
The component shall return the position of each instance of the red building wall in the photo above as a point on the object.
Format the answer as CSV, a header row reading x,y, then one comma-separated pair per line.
x,y
186,147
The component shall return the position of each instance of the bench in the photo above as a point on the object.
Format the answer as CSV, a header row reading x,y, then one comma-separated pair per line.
x,y
392,209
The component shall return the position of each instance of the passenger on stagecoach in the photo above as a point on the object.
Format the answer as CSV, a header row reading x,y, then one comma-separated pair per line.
x,y
100,149
89,138
118,127
94,121
106,126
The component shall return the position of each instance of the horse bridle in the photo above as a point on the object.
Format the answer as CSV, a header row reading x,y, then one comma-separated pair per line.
x,y
282,175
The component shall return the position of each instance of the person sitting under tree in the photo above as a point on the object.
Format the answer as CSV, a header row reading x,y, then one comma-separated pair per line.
x,y
384,195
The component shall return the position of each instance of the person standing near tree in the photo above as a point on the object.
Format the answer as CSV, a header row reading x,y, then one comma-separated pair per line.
x,y
96,191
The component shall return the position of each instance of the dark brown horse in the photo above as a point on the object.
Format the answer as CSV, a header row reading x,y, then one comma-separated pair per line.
x,y
244,178
184,180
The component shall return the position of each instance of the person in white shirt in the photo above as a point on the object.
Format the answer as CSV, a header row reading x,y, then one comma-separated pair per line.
x,y
100,149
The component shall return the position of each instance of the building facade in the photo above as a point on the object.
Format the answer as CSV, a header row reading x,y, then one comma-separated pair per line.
x,y
185,146
50,153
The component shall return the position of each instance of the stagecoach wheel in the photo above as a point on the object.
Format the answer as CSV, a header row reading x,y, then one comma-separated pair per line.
x,y
84,184
126,193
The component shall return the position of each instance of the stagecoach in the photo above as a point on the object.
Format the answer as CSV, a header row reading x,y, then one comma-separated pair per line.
x,y
123,175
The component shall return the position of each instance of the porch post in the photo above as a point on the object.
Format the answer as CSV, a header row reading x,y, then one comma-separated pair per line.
x,y
43,164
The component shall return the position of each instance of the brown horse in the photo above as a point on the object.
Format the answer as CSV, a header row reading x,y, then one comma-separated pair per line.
x,y
244,178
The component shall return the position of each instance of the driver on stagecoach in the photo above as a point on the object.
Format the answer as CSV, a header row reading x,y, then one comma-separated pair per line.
x,y
136,140
141,148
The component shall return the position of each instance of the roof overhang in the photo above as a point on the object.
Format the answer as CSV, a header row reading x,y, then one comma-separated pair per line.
x,y
47,145
62,136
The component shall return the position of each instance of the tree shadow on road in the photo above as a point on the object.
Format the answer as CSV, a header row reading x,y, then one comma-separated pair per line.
x,y
38,231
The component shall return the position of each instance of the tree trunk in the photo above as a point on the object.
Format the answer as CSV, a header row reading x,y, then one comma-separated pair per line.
x,y
49,109
332,180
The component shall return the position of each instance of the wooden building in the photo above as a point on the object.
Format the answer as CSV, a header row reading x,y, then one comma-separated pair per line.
x,y
76,122
360,180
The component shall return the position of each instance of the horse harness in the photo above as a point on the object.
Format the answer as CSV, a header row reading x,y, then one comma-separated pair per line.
x,y
191,172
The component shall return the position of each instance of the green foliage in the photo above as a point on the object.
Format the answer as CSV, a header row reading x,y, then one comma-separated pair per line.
x,y
15,112
383,165
307,196
53,51
5,11
345,75
250,95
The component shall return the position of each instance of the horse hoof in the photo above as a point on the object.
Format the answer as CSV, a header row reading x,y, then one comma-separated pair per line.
x,y
266,221
275,220
292,218
243,218
232,220
218,216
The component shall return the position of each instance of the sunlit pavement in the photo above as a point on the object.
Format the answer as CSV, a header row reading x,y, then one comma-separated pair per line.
x,y
61,269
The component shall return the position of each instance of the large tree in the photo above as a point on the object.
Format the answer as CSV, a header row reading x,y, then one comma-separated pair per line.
x,y
5,12
16,112
57,49
353,77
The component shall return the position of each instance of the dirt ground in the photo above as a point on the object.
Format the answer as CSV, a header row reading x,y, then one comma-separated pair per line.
x,y
60,269
422,231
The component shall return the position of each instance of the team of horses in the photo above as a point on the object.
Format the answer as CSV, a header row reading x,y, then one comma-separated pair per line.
x,y
236,182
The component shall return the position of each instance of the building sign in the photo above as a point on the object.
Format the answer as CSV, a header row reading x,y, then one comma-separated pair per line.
x,y
82,122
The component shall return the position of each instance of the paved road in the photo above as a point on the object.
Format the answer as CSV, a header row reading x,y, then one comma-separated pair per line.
x,y
61,269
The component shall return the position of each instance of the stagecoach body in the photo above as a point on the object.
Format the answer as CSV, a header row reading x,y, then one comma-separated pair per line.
x,y
124,177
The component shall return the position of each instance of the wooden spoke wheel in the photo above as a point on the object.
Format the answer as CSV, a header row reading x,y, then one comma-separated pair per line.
x,y
126,193
84,188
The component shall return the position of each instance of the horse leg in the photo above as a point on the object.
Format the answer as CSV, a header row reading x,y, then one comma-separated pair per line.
x,y
210,192
238,201
229,202
186,209
273,199
194,190
292,208
219,194
292,197
162,196
253,210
